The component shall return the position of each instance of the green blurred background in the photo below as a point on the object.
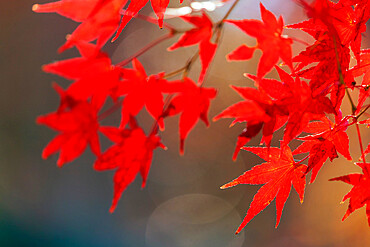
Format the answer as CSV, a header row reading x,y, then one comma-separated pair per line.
x,y
42,205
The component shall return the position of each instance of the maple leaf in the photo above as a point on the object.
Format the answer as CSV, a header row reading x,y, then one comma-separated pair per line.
x,y
261,109
100,18
335,28
193,103
269,39
77,10
278,175
325,55
359,195
140,91
363,68
78,126
93,73
341,19
201,34
350,23
159,7
303,106
329,138
131,154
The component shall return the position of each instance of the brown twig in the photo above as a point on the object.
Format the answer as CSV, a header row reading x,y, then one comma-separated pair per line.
x,y
145,49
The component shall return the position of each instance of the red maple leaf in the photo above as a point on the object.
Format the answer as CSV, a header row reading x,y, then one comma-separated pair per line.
x,y
269,39
78,126
202,34
131,154
193,103
159,7
341,20
335,27
93,73
329,138
363,68
350,23
325,56
303,106
277,174
100,18
359,195
77,10
261,109
141,90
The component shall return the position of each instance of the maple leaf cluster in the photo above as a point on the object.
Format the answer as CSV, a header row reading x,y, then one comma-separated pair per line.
x,y
95,79
306,100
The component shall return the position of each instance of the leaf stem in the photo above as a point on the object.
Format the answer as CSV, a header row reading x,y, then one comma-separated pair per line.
x,y
146,48
341,80
360,141
362,112
189,64
110,110
166,103
229,12
300,161
149,19
185,70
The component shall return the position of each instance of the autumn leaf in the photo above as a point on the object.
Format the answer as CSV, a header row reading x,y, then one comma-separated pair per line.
x,y
78,126
269,40
141,90
329,138
363,68
131,154
201,35
100,19
359,195
77,10
343,21
303,106
159,7
335,28
272,105
258,109
192,102
93,73
278,175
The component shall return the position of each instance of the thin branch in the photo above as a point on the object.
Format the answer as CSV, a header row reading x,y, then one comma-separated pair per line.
x,y
189,64
341,80
229,11
300,161
362,112
110,110
149,19
145,48
360,141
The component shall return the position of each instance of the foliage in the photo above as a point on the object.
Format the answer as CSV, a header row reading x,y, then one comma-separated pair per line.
x,y
306,101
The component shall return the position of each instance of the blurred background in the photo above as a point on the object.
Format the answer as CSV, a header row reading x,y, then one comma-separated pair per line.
x,y
182,205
